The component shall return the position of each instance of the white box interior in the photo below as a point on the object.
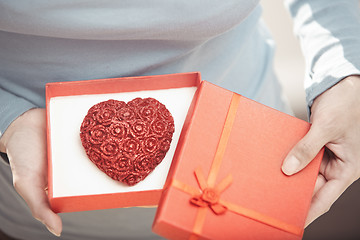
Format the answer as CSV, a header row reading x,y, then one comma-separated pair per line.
x,y
73,173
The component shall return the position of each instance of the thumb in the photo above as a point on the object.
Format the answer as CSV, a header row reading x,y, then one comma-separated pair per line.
x,y
36,199
304,151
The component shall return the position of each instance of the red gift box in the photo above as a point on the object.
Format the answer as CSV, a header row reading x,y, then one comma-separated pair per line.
x,y
75,183
226,182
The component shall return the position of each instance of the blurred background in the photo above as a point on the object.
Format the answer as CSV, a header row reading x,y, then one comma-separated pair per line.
x,y
343,219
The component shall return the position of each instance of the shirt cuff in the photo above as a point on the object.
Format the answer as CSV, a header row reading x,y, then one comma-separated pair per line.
x,y
11,107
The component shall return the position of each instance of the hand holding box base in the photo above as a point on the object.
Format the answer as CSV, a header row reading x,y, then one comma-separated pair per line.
x,y
25,143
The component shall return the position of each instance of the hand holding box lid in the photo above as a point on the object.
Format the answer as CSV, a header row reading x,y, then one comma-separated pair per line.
x,y
235,148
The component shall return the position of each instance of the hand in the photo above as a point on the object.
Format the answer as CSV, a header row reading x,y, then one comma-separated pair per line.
x,y
335,122
25,143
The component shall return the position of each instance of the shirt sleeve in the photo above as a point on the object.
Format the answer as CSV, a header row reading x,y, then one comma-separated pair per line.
x,y
11,106
329,34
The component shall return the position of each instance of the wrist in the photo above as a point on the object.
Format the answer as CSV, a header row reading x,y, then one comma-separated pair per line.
x,y
5,137
3,141
26,119
346,86
340,101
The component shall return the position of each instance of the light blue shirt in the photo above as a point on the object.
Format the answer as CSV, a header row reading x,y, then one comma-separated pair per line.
x,y
50,41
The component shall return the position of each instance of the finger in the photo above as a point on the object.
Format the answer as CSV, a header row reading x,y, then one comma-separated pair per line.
x,y
324,198
320,182
304,151
36,198
149,206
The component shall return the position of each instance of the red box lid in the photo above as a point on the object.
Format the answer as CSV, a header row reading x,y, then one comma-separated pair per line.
x,y
268,204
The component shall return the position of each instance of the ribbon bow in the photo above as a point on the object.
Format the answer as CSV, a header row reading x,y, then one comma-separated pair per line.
x,y
209,196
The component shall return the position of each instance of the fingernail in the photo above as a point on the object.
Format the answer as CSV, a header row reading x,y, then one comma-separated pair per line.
x,y
53,231
291,166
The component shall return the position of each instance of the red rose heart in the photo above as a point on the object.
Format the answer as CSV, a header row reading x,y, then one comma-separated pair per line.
x,y
127,141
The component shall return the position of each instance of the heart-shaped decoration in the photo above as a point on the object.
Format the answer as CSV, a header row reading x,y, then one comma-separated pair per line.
x,y
127,140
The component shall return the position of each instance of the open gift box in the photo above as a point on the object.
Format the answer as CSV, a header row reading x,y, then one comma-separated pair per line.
x,y
226,182
74,182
